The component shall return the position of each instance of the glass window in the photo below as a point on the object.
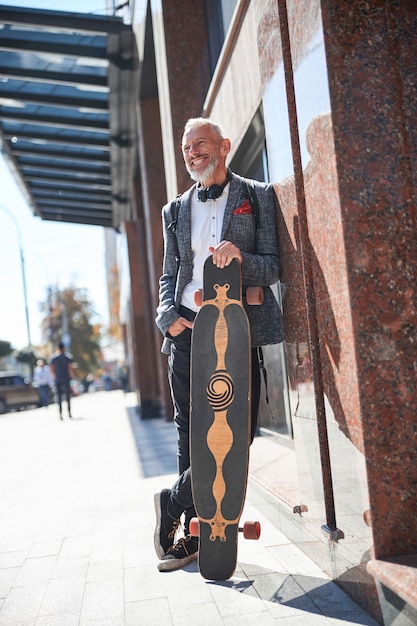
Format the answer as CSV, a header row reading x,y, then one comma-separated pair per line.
x,y
250,157
219,16
251,161
228,7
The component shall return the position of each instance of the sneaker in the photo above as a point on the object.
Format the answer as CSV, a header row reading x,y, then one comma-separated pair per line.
x,y
166,527
183,552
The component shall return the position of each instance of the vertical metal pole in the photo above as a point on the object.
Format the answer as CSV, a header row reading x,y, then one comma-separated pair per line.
x,y
22,264
330,528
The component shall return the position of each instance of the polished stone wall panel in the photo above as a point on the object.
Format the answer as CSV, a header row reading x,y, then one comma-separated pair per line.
x,y
341,160
332,298
372,83
268,39
327,298
154,197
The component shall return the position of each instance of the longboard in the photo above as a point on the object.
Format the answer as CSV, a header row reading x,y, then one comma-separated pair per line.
x,y
220,418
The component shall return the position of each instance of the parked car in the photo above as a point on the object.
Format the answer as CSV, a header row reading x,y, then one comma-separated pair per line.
x,y
16,392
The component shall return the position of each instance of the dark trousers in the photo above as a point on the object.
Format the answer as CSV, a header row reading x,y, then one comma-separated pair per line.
x,y
63,390
44,394
179,377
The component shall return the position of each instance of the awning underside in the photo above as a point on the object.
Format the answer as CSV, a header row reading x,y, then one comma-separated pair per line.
x,y
67,112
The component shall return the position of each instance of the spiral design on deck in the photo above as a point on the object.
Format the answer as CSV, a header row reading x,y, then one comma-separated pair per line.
x,y
220,393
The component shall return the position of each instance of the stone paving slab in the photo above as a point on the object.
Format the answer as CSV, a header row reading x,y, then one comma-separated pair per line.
x,y
76,533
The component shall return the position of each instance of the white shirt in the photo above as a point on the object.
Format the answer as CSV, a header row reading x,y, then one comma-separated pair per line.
x,y
206,230
42,375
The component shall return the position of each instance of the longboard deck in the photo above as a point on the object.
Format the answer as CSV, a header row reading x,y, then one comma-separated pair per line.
x,y
220,418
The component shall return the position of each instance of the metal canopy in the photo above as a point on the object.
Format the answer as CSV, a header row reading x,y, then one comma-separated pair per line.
x,y
68,92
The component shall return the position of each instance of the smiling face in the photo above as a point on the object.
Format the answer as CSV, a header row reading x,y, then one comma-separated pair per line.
x,y
204,152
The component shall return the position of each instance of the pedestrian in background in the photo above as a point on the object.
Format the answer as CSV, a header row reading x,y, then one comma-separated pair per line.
x,y
124,377
62,371
42,378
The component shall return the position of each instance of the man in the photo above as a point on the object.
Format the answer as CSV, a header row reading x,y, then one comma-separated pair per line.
x,y
214,217
63,372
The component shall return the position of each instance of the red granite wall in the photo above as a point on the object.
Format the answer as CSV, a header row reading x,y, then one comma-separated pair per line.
x,y
188,68
372,66
340,99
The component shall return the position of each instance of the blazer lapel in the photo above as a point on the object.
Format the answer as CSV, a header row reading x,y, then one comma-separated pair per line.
x,y
184,227
232,203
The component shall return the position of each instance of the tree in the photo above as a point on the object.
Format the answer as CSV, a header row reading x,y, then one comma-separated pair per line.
x,y
28,357
5,348
69,317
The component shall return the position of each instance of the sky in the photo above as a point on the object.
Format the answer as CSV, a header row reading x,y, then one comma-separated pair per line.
x,y
54,254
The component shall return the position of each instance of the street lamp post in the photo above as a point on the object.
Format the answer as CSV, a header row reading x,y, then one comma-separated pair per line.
x,y
22,265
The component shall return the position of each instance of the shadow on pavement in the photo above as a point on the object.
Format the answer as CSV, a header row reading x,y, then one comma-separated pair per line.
x,y
156,444
304,593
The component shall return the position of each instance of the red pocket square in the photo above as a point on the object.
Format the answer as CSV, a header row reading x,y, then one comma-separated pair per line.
x,y
244,209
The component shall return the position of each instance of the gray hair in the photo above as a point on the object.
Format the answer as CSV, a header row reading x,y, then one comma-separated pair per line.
x,y
204,121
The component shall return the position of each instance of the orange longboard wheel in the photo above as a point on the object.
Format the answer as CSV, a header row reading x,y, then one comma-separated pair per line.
x,y
198,297
194,527
251,530
254,295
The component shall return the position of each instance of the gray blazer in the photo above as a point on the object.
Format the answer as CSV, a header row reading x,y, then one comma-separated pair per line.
x,y
260,267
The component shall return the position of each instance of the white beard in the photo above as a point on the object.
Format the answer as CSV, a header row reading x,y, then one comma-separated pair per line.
x,y
200,177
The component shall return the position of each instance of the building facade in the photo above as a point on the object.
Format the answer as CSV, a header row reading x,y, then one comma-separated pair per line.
x,y
318,97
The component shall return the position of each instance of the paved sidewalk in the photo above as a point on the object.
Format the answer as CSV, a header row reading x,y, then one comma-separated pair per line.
x,y
76,533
